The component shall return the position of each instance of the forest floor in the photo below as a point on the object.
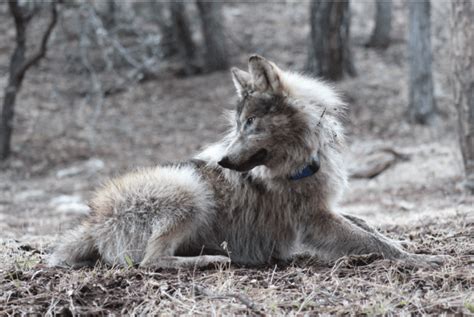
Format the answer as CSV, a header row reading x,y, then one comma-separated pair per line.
x,y
64,147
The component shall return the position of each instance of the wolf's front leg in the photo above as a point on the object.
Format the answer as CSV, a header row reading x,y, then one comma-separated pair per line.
x,y
335,236
365,226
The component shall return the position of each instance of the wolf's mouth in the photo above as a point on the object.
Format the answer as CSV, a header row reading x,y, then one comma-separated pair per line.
x,y
256,159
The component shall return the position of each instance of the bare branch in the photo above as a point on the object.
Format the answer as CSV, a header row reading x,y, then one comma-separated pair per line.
x,y
44,41
18,67
239,297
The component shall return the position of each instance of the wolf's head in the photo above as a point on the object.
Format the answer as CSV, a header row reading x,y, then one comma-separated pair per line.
x,y
282,121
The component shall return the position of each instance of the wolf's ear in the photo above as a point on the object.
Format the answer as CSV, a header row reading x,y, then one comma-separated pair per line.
x,y
241,80
265,75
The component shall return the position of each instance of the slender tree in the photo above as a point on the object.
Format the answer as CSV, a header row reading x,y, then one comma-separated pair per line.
x,y
182,36
462,49
329,53
216,56
19,65
421,108
380,37
167,42
110,14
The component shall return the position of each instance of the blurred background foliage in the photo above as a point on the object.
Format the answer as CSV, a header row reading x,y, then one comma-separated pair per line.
x,y
85,58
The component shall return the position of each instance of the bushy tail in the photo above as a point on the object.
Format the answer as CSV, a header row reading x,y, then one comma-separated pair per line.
x,y
76,249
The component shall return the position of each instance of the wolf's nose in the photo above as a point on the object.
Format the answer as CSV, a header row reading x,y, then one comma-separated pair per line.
x,y
225,162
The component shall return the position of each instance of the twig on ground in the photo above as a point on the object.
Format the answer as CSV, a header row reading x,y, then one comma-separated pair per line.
x,y
240,297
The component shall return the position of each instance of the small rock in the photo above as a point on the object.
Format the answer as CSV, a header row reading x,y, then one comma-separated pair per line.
x,y
406,205
75,208
89,166
29,195
94,165
69,204
67,172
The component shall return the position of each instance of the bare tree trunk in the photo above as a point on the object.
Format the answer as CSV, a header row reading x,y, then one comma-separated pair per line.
x,y
329,49
167,43
383,25
421,107
182,36
18,67
109,16
216,56
463,81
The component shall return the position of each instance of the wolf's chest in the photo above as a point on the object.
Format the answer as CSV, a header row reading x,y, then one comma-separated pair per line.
x,y
259,232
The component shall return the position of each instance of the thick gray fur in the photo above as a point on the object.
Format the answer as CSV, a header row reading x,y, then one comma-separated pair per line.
x,y
251,212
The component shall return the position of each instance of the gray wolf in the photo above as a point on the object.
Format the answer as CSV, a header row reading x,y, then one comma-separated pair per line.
x,y
266,192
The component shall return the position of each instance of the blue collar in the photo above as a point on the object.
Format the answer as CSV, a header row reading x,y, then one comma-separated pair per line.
x,y
308,170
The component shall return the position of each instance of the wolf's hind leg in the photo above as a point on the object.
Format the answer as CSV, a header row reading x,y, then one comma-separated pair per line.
x,y
161,248
170,262
160,254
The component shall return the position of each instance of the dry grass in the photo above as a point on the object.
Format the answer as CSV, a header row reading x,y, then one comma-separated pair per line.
x,y
355,285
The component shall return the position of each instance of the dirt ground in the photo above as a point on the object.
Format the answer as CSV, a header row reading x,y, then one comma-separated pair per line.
x,y
63,147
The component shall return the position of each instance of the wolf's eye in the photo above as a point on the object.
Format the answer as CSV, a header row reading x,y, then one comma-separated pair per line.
x,y
249,121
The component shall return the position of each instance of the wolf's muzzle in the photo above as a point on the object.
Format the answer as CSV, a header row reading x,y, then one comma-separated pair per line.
x,y
256,159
